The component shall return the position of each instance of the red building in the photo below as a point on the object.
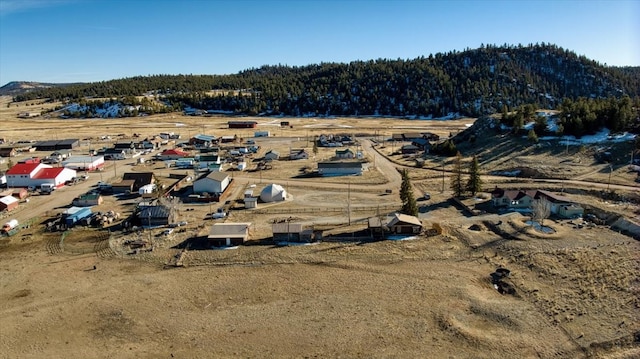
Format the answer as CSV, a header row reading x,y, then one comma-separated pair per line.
x,y
242,124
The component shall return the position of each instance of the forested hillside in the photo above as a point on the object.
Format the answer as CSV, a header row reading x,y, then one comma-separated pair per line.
x,y
471,83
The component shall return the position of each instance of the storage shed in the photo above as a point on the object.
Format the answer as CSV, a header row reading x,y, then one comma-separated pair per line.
x,y
74,214
8,203
228,234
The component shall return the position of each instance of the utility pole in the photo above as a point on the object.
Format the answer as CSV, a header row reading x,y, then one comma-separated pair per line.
x,y
349,201
442,176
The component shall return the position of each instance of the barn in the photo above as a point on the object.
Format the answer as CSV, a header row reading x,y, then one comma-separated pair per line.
x,y
339,168
213,182
35,174
242,124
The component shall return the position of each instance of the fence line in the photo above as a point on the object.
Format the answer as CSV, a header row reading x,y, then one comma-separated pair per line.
x,y
325,209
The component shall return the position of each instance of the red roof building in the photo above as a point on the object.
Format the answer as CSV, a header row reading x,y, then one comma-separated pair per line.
x,y
173,154
36,174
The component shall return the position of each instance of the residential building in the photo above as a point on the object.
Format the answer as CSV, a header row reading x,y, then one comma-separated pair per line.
x,y
140,179
272,155
298,154
404,224
345,154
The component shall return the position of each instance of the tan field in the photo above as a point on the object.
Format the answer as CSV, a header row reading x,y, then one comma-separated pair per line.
x,y
576,290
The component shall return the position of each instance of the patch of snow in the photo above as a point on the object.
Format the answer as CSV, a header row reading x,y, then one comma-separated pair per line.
x,y
515,173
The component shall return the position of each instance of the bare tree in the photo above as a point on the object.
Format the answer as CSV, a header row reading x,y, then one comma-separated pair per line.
x,y
541,210
173,204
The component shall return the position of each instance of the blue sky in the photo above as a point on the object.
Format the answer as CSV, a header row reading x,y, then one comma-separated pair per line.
x,y
93,40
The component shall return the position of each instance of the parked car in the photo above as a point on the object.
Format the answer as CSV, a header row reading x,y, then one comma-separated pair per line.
x,y
167,232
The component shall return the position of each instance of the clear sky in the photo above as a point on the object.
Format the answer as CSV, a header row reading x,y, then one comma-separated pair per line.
x,y
94,40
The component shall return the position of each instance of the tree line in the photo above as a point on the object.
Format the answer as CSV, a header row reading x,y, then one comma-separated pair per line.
x,y
473,82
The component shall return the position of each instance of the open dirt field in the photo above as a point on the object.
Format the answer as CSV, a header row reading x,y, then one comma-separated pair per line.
x,y
576,290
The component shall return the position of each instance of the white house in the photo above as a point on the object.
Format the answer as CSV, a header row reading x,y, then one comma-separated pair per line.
x,y
84,163
213,182
36,174
298,154
339,168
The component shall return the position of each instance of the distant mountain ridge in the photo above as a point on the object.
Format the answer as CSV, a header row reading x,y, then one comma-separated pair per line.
x,y
471,83
20,87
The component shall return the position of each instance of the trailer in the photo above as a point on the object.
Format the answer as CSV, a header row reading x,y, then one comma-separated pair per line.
x,y
12,224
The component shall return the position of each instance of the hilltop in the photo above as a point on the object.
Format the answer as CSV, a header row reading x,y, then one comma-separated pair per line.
x,y
473,82
21,87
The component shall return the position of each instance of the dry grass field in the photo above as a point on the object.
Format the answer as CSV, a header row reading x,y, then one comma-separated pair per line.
x,y
576,290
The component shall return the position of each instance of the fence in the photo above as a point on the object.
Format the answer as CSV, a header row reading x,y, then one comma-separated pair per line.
x,y
385,208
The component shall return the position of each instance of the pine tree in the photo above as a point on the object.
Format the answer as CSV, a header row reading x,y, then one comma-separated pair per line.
x,y
474,184
456,178
409,204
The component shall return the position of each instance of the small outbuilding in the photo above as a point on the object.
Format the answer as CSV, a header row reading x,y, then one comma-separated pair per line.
x,y
88,200
404,224
228,234
8,203
291,232
273,193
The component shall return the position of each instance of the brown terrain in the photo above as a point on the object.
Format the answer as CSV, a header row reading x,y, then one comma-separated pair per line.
x,y
576,291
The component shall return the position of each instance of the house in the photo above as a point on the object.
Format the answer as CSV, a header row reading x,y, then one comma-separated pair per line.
x,y
8,203
291,232
409,149
200,141
513,199
422,144
205,161
152,215
36,174
124,186
228,234
185,162
404,224
272,155
242,124
228,139
87,200
524,199
298,154
560,205
140,179
339,168
410,136
127,146
113,154
173,154
84,163
430,136
8,152
213,182
346,154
